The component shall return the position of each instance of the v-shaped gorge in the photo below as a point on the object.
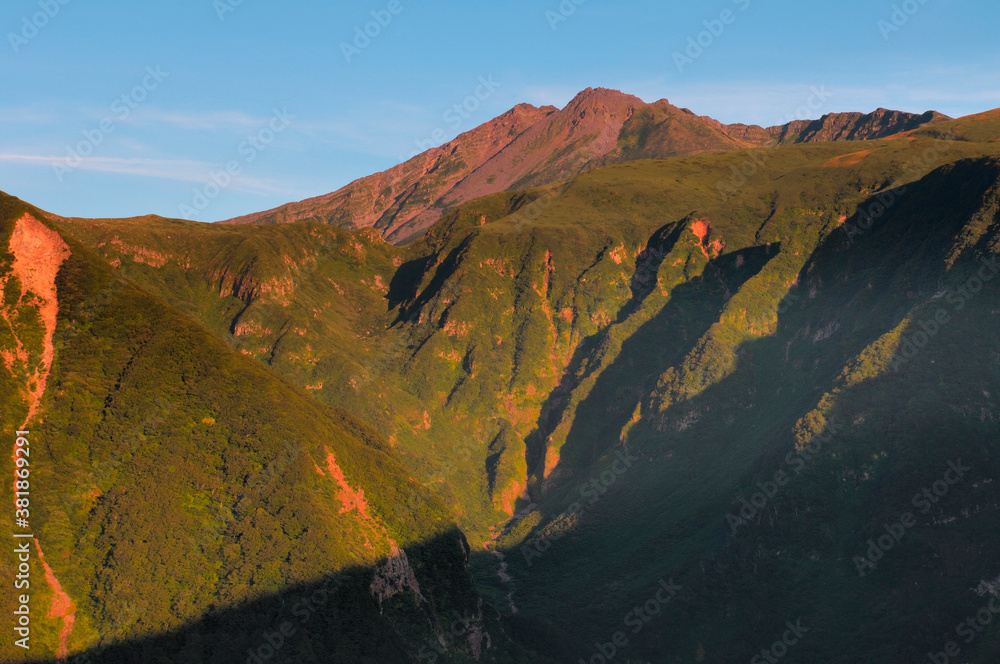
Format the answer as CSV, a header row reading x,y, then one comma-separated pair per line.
x,y
522,309
587,378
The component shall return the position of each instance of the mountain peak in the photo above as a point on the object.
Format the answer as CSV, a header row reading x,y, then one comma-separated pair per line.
x,y
525,109
602,97
529,146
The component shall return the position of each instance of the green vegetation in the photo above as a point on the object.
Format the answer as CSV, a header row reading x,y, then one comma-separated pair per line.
x,y
174,478
711,319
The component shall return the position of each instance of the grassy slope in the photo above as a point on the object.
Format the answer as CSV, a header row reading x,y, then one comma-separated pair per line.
x,y
454,326
174,476
593,321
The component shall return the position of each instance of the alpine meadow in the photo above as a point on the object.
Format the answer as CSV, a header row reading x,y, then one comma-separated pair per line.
x,y
585,379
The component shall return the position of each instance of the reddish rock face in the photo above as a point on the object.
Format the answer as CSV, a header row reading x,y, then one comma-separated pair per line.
x,y
38,253
853,126
528,147
392,198
555,148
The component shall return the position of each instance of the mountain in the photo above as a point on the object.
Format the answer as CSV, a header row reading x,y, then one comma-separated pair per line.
x,y
978,128
693,408
389,200
528,147
174,480
881,123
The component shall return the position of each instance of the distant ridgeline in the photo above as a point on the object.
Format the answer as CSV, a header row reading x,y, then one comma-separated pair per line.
x,y
725,393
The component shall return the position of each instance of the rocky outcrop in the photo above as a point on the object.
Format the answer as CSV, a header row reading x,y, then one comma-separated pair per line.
x,y
853,126
38,254
557,147
393,577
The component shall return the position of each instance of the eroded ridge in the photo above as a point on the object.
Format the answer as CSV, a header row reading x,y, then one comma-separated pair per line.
x,y
38,253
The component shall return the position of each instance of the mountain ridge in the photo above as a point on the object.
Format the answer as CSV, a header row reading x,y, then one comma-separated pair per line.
x,y
528,146
556,402
408,188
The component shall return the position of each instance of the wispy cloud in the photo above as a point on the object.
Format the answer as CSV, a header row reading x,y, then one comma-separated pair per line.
x,y
28,115
952,90
197,121
989,96
183,170
170,169
209,120
771,104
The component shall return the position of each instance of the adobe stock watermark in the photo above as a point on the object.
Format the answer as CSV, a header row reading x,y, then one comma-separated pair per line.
x,y
303,610
456,116
923,502
781,646
566,9
757,159
635,620
250,149
530,212
795,461
30,26
972,627
223,7
461,626
363,36
714,29
121,108
884,201
593,490
958,298
900,16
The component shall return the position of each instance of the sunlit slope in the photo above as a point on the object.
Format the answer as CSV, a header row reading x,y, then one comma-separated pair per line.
x,y
651,340
512,306
978,128
173,478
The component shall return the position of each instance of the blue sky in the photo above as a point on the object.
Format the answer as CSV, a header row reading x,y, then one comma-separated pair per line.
x,y
213,108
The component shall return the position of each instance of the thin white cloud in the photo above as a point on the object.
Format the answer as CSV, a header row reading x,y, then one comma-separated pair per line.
x,y
990,96
182,170
219,120
170,169
196,121
25,115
